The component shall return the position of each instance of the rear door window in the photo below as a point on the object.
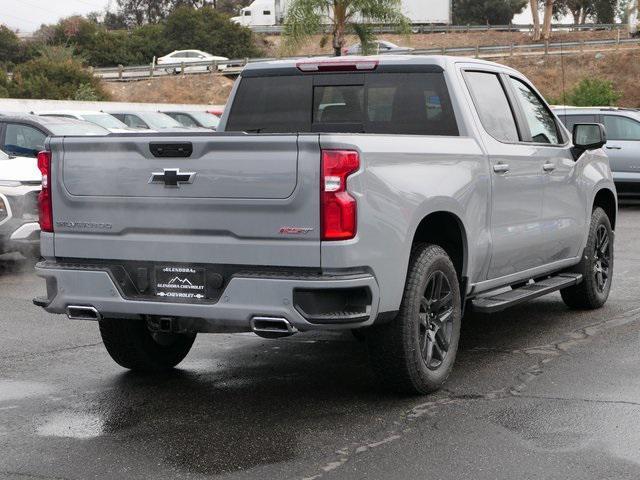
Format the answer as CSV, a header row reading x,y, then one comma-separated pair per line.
x,y
23,140
133,121
384,103
621,128
185,120
493,106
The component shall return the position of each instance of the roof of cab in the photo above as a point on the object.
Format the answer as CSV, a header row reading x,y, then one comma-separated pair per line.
x,y
442,61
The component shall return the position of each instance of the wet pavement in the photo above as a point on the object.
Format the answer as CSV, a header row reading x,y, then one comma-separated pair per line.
x,y
538,392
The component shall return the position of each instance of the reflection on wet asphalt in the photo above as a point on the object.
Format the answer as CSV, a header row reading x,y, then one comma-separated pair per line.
x,y
538,392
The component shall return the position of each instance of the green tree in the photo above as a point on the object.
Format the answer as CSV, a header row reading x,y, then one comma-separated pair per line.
x,y
579,9
9,46
605,10
592,92
140,12
492,12
146,42
306,17
209,30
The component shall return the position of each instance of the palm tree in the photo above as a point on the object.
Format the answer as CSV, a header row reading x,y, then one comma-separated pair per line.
x,y
307,17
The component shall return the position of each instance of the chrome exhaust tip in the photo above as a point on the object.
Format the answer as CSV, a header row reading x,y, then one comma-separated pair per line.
x,y
79,312
272,327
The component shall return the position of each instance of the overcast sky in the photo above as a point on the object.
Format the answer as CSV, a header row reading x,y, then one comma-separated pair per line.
x,y
28,15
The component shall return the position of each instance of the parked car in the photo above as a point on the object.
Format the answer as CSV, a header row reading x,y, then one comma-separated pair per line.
x,y
21,138
151,121
195,119
383,194
103,119
623,142
175,59
24,135
378,46
20,182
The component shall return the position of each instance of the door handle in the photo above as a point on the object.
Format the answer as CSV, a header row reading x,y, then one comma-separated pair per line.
x,y
612,147
501,168
549,167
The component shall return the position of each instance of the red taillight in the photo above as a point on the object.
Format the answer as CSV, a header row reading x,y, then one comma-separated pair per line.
x,y
44,198
338,207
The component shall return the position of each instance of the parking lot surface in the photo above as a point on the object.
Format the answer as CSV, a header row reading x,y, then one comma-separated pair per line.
x,y
538,391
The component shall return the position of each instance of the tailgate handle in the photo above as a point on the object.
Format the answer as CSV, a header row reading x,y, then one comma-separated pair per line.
x,y
171,150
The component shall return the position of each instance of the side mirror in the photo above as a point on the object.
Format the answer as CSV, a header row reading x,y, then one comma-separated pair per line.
x,y
589,136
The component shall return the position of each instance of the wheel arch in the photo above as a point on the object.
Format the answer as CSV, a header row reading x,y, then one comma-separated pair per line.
x,y
445,229
606,199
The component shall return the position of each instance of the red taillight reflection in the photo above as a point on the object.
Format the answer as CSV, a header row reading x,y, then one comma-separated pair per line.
x,y
44,198
339,209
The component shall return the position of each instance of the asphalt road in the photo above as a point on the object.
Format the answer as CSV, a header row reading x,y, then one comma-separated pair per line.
x,y
538,392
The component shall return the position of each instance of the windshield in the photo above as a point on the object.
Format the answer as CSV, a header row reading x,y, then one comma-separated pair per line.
x,y
159,120
104,120
208,120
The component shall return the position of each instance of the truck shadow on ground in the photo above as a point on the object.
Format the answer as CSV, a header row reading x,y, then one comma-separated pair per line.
x,y
262,402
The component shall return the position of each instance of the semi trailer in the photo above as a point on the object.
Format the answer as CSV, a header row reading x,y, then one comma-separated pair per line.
x,y
266,13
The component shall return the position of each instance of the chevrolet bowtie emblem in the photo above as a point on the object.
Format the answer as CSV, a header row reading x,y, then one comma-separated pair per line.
x,y
172,177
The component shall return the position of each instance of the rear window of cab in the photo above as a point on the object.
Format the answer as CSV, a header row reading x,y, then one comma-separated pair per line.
x,y
382,103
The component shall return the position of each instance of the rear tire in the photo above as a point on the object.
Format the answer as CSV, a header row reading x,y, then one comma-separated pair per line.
x,y
596,266
133,346
415,352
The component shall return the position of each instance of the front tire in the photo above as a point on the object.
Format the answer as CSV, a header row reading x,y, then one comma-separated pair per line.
x,y
596,266
415,353
132,345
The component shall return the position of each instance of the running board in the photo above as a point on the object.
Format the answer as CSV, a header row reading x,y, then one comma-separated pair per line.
x,y
504,300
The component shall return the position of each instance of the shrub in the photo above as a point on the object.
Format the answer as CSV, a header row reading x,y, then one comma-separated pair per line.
x,y
55,77
592,92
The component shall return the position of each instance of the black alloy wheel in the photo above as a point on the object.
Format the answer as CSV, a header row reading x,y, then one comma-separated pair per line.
x,y
436,320
602,258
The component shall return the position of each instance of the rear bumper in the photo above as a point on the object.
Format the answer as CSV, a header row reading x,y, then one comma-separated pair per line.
x,y
243,298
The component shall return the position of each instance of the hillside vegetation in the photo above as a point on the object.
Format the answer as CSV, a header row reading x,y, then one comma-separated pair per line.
x,y
621,68
271,45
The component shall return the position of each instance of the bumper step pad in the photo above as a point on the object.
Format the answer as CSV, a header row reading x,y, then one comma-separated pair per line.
x,y
495,303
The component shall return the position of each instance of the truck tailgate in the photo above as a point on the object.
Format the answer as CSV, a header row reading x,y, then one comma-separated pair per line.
x,y
235,199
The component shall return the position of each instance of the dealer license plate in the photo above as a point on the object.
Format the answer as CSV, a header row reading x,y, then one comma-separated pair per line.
x,y
180,282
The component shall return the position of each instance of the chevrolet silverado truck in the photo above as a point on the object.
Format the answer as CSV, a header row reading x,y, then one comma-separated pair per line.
x,y
381,195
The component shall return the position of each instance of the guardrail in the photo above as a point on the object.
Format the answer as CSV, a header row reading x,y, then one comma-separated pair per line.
x,y
233,67
436,28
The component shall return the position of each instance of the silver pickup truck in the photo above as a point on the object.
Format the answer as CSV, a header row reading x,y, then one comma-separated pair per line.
x,y
381,195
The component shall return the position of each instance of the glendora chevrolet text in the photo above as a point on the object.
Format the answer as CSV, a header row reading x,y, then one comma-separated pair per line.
x,y
383,195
